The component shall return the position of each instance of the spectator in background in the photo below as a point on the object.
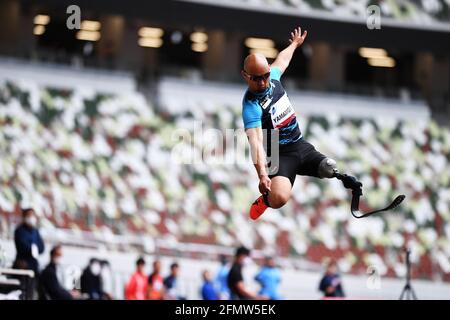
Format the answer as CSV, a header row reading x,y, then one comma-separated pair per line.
x,y
170,283
136,288
221,279
29,244
90,281
235,279
155,287
106,279
49,283
208,291
269,278
330,284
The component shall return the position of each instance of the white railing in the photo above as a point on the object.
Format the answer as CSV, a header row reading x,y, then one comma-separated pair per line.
x,y
24,285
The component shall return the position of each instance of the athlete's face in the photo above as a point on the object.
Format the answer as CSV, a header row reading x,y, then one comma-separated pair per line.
x,y
257,82
256,72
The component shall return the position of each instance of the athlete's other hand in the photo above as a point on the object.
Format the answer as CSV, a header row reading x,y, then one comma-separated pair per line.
x,y
264,184
297,38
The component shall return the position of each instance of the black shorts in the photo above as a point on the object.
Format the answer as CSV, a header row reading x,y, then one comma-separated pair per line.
x,y
299,158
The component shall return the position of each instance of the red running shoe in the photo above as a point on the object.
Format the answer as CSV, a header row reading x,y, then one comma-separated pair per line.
x,y
257,209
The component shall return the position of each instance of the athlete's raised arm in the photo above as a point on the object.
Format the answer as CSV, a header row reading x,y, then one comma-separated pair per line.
x,y
284,57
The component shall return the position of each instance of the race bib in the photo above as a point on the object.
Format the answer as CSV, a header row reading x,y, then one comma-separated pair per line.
x,y
282,112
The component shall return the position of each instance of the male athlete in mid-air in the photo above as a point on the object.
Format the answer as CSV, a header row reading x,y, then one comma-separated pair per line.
x,y
266,106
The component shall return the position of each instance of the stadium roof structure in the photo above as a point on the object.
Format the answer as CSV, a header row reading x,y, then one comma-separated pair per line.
x,y
429,34
428,15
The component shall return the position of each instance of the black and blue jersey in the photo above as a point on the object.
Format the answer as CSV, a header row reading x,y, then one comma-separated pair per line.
x,y
272,110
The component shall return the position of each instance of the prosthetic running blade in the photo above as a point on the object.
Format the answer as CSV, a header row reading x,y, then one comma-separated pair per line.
x,y
358,214
356,187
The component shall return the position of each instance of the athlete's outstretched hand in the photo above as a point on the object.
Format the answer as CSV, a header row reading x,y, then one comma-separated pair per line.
x,y
297,37
264,184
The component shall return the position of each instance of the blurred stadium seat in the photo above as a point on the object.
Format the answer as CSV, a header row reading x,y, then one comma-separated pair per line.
x,y
90,161
126,136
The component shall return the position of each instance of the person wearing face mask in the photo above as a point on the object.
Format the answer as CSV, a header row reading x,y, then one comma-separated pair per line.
x,y
49,283
29,245
235,279
91,283
28,241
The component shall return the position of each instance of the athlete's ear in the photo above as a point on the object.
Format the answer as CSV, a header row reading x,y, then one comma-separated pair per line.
x,y
244,75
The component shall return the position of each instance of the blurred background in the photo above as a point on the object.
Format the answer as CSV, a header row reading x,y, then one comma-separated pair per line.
x,y
90,117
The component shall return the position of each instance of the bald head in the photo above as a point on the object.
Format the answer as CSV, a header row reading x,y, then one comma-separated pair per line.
x,y
256,64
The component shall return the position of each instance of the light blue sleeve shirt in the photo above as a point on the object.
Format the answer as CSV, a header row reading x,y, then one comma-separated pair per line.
x,y
275,73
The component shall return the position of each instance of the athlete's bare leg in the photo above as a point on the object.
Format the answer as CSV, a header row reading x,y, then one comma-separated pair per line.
x,y
276,198
281,192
